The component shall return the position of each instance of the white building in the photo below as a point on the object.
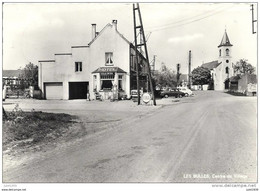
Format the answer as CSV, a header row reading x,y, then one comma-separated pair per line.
x,y
106,63
222,69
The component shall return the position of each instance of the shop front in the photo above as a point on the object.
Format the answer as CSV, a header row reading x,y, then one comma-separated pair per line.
x,y
109,82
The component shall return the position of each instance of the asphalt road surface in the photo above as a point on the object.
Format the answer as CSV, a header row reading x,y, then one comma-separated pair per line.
x,y
211,137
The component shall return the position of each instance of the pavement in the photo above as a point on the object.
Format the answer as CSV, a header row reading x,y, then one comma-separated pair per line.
x,y
211,137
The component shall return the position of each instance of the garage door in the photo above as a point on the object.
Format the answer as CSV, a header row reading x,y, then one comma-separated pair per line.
x,y
53,90
78,90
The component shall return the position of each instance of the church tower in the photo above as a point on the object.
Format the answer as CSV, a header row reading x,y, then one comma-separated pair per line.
x,y
225,69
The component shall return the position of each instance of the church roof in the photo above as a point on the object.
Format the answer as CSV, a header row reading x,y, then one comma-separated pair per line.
x,y
211,65
225,40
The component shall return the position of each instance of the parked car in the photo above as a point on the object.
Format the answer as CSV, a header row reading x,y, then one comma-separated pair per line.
x,y
157,93
185,90
172,92
134,95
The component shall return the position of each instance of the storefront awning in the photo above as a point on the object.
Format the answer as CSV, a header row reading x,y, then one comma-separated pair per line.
x,y
108,70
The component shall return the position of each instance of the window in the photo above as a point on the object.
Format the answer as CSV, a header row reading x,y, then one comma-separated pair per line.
x,y
120,82
107,80
219,52
227,61
78,66
227,52
106,84
107,76
95,83
227,70
109,58
132,61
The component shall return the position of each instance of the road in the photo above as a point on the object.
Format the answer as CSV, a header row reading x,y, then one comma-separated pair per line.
x,y
211,137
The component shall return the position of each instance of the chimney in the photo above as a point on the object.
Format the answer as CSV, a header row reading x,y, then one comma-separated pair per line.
x,y
114,22
93,31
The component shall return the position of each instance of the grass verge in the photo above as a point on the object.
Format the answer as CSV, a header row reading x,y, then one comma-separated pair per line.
x,y
31,128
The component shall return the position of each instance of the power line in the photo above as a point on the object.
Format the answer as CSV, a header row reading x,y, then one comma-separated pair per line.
x,y
168,26
179,21
136,37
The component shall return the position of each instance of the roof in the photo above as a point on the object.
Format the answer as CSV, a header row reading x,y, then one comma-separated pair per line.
x,y
225,40
80,47
65,54
98,34
109,69
211,65
46,61
234,78
251,78
12,73
108,25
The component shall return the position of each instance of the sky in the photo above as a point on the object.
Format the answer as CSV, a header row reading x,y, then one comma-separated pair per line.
x,y
37,31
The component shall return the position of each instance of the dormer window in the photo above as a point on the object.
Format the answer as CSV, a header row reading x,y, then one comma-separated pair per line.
x,y
227,52
109,58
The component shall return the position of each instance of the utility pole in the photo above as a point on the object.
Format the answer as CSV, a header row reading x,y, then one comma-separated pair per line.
x,y
136,60
154,57
178,73
253,21
142,44
189,70
141,41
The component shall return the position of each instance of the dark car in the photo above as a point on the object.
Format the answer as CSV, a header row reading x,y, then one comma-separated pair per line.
x,y
157,93
172,92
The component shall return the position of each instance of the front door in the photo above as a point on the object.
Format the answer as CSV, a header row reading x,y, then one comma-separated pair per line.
x,y
226,84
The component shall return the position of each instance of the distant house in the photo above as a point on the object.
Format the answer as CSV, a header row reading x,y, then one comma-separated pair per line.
x,y
243,83
12,77
15,79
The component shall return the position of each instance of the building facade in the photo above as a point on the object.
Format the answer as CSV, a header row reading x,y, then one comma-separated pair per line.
x,y
105,65
222,69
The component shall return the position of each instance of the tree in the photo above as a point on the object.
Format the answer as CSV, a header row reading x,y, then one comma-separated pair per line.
x,y
243,67
165,77
201,76
30,73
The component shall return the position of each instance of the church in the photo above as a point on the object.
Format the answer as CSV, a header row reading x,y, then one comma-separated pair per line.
x,y
222,69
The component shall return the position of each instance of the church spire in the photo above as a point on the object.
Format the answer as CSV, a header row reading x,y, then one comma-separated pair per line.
x,y
225,40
